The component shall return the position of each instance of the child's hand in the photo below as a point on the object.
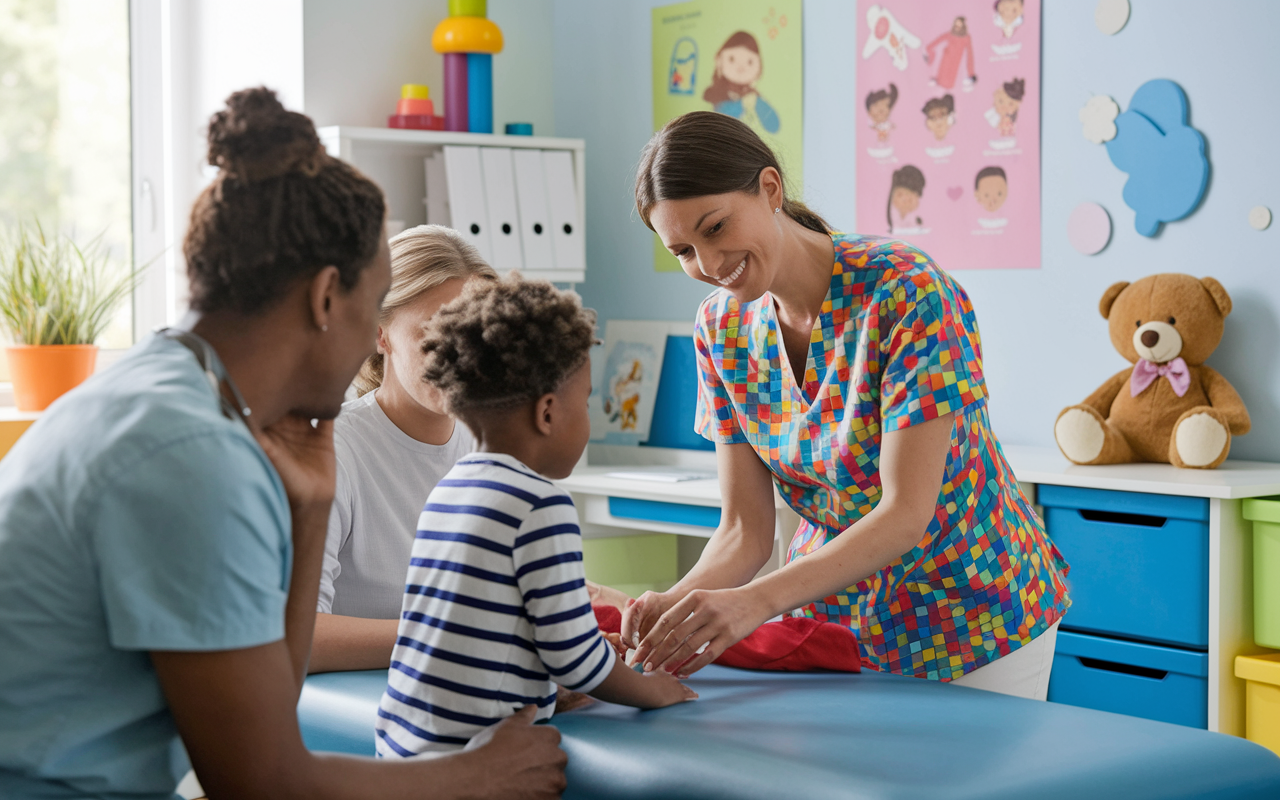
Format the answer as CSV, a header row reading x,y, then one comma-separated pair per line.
x,y
657,689
607,595
615,641
667,690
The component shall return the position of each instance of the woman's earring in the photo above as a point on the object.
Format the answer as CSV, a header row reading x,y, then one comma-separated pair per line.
x,y
776,210
324,328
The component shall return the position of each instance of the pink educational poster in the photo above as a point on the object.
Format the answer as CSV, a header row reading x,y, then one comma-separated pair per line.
x,y
948,134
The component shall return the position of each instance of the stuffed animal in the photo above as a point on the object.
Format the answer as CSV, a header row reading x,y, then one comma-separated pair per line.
x,y
1168,406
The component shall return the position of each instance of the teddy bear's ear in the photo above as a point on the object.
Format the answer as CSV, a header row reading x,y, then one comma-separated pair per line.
x,y
1220,297
1109,297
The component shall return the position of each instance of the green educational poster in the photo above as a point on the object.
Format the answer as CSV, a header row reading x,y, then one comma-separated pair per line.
x,y
739,57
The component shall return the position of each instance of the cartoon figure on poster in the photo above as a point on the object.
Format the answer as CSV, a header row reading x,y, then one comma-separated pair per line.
x,y
624,395
991,190
1008,16
905,192
1003,113
886,33
880,105
956,45
939,118
732,90
683,75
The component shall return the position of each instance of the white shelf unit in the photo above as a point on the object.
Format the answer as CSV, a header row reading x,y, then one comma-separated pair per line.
x,y
393,158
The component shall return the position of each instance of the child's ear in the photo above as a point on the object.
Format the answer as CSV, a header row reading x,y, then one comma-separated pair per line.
x,y
544,411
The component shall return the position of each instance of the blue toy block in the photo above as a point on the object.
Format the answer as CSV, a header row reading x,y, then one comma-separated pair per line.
x,y
480,92
1164,156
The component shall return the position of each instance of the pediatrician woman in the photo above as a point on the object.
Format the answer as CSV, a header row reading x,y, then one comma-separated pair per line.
x,y
162,526
848,370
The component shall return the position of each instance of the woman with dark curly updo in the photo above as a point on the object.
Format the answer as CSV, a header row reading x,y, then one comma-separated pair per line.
x,y
162,526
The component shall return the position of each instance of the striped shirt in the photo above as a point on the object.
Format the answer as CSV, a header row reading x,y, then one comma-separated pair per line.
x,y
495,611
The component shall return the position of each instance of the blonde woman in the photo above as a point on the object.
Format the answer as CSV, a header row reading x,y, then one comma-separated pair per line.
x,y
393,443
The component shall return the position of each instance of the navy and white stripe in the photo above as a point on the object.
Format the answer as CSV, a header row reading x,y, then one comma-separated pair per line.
x,y
495,611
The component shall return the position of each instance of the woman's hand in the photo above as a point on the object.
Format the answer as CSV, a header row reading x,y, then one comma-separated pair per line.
x,y
520,760
640,615
303,456
717,618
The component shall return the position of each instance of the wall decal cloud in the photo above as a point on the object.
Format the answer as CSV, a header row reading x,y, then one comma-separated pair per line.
x,y
1164,156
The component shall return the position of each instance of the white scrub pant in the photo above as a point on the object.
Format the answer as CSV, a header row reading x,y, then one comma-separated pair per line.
x,y
1022,673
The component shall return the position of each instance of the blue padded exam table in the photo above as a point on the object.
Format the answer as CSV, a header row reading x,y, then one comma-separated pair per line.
x,y
758,735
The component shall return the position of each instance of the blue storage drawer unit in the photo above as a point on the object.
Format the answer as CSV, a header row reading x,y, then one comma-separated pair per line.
x,y
658,511
1141,680
1139,562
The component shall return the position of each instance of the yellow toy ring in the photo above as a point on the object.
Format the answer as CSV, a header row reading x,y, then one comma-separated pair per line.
x,y
467,35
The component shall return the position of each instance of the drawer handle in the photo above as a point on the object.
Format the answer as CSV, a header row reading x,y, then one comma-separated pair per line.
x,y
1126,669
1120,518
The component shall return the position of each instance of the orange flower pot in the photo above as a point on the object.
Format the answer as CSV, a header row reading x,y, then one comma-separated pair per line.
x,y
43,373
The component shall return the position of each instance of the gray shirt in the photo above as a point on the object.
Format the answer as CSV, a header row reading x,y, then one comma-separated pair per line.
x,y
384,477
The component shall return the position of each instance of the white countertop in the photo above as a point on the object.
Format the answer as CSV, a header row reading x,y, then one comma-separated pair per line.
x,y
595,480
1230,481
1040,465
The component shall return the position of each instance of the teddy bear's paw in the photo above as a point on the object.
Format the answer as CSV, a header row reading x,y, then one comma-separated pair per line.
x,y
1200,440
1079,434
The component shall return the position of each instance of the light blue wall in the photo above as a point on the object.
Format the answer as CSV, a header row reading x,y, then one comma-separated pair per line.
x,y
1045,345
356,56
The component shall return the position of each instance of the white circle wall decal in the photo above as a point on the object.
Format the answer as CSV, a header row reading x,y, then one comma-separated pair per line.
x,y
1111,15
1089,228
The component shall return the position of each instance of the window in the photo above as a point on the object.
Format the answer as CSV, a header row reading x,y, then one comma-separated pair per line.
x,y
65,136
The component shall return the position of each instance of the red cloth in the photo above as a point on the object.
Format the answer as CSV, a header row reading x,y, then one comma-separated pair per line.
x,y
793,644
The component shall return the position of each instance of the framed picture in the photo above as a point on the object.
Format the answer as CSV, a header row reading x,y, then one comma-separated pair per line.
x,y
625,378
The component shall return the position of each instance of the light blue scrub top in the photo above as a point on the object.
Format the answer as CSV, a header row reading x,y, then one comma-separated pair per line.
x,y
134,517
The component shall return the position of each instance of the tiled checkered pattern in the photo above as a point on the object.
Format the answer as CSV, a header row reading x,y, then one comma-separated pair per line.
x,y
896,345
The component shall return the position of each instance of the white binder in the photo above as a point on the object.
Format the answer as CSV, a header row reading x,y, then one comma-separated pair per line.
x,y
466,197
437,199
500,198
562,200
535,224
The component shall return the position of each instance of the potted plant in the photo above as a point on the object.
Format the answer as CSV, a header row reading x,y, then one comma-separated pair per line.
x,y
56,298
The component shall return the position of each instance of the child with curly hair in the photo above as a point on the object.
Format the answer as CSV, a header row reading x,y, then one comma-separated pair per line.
x,y
496,611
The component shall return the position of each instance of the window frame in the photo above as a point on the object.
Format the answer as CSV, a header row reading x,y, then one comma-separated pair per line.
x,y
159,66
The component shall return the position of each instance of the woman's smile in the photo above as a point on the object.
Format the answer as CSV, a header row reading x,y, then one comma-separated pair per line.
x,y
734,276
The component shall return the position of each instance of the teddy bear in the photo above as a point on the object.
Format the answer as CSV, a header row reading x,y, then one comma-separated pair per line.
x,y
1169,406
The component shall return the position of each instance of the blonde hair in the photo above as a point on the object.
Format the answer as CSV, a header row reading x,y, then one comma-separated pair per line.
x,y
422,259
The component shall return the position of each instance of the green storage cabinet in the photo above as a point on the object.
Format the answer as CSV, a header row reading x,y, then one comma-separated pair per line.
x,y
1264,512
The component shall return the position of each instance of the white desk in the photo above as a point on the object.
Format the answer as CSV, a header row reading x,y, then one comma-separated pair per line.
x,y
1230,535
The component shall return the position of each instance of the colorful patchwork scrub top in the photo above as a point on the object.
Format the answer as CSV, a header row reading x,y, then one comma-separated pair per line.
x,y
896,345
